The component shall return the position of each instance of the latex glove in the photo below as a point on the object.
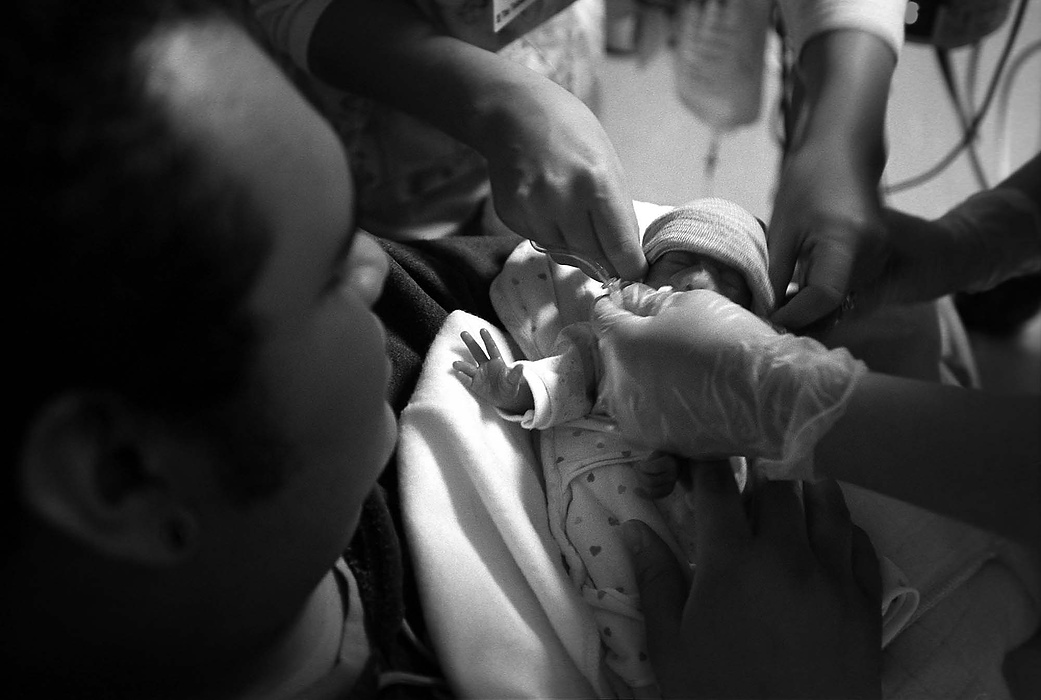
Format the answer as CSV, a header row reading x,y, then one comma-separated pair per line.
x,y
826,230
784,601
991,237
556,179
694,374
490,379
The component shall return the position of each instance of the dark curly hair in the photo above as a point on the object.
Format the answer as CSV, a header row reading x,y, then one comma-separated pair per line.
x,y
128,254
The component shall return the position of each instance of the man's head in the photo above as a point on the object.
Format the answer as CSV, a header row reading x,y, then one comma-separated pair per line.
x,y
201,390
713,244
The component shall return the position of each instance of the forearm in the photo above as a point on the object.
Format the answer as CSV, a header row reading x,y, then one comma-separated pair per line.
x,y
387,50
991,237
999,231
963,453
844,78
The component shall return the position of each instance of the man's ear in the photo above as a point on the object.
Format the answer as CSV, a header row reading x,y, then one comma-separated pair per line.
x,y
91,468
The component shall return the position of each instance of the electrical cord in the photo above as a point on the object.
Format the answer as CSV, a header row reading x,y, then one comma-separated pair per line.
x,y
963,109
971,130
972,76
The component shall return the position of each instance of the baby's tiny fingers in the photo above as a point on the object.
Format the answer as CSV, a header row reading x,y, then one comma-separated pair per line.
x,y
466,368
489,342
474,347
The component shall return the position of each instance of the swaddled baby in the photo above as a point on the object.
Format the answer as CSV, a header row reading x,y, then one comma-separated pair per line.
x,y
708,244
594,478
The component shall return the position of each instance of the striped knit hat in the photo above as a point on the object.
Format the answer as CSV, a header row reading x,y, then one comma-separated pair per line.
x,y
719,229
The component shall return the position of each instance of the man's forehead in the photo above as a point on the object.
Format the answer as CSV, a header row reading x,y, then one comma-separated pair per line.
x,y
201,63
222,88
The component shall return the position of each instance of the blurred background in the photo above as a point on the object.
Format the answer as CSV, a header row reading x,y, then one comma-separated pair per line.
x,y
936,158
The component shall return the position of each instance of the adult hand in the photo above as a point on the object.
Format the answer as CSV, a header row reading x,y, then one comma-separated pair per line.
x,y
826,226
785,600
826,230
556,179
693,373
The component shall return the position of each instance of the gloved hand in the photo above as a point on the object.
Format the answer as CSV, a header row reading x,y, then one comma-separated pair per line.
x,y
695,374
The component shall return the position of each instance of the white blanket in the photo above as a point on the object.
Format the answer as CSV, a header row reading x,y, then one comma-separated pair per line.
x,y
504,617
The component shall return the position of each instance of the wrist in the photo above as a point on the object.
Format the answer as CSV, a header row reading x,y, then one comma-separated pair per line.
x,y
520,402
804,391
511,101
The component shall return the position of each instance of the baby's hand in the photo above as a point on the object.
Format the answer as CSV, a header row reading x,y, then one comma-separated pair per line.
x,y
490,379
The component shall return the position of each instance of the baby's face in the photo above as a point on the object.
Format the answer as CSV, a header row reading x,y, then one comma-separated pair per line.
x,y
684,271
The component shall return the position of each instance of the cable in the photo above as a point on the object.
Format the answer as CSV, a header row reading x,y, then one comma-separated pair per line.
x,y
972,72
973,126
970,131
963,111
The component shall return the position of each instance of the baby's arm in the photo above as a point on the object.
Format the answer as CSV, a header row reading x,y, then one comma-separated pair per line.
x,y
490,380
540,393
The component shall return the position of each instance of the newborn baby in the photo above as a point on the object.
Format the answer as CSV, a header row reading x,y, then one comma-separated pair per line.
x,y
708,244
592,474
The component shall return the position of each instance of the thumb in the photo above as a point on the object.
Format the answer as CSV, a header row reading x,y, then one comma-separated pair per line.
x,y
828,279
644,300
783,249
663,589
633,302
607,314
